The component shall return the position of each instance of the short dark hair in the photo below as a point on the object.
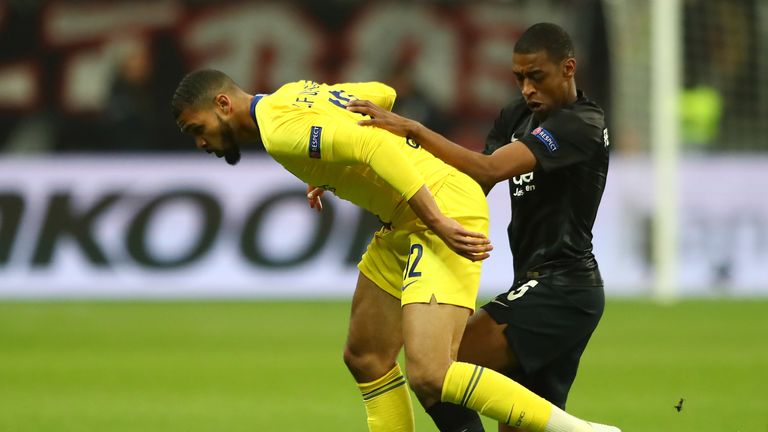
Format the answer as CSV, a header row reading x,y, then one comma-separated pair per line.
x,y
546,37
198,87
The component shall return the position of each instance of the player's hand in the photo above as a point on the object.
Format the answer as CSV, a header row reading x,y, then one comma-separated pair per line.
x,y
471,245
382,118
313,197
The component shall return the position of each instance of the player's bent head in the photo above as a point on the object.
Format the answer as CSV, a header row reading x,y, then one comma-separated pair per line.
x,y
198,90
202,107
546,37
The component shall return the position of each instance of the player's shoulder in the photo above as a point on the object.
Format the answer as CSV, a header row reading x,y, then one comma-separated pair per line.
x,y
582,111
581,120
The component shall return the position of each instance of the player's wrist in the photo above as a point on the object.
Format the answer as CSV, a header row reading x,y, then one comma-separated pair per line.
x,y
434,220
440,224
414,130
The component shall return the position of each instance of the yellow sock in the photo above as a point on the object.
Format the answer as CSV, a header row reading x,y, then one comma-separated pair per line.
x,y
494,395
388,403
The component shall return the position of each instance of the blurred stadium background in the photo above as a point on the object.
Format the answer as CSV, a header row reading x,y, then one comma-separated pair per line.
x,y
144,286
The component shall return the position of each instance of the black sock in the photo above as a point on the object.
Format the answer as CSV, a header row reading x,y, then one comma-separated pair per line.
x,y
455,418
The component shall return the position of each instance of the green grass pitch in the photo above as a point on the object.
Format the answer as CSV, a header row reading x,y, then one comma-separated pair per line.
x,y
276,366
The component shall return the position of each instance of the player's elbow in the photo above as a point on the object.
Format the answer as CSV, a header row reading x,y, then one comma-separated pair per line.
x,y
478,166
486,173
387,96
485,181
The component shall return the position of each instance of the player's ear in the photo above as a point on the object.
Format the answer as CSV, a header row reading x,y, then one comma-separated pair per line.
x,y
569,67
223,103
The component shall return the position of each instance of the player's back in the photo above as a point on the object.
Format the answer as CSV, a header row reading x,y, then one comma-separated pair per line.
x,y
306,127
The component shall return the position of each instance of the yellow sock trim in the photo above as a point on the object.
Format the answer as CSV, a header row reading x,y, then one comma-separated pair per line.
x,y
494,395
388,403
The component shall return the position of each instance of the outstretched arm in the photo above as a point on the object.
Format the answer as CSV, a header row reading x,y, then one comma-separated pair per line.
x,y
507,162
381,152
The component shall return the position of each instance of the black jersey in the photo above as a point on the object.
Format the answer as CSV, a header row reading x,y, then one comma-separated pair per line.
x,y
554,206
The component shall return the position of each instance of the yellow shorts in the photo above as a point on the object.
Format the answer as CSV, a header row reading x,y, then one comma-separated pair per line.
x,y
411,263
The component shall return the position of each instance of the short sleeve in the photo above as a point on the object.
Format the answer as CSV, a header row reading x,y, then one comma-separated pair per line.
x,y
496,137
504,126
565,138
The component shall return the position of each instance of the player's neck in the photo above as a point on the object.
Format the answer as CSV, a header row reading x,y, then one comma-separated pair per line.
x,y
571,94
248,128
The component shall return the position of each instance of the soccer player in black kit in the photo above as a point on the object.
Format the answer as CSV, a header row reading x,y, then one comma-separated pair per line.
x,y
552,147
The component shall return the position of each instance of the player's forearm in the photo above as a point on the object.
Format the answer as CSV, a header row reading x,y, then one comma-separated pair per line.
x,y
471,245
474,164
424,206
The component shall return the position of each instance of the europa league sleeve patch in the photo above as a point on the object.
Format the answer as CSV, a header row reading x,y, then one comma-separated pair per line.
x,y
315,136
546,138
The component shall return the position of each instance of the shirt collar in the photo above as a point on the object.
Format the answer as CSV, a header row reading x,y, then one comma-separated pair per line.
x,y
254,101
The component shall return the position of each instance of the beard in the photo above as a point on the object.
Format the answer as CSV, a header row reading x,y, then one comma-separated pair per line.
x,y
232,157
231,149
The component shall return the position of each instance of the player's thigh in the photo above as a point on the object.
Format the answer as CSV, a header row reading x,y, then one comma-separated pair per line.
x,y
432,333
439,294
485,344
375,323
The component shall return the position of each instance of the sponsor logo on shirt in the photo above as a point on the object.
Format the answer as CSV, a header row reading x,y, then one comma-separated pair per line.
x,y
523,178
523,184
315,135
546,138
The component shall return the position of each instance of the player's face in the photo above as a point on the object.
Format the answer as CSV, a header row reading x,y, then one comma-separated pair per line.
x,y
543,82
212,133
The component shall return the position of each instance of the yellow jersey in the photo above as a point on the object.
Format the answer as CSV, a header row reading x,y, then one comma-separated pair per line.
x,y
306,127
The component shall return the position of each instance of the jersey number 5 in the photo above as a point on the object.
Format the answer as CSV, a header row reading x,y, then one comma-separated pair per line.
x,y
522,289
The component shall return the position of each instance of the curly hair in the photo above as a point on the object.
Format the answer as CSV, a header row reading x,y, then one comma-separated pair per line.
x,y
197,88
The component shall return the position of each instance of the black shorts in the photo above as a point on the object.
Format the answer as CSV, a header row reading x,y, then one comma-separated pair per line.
x,y
548,327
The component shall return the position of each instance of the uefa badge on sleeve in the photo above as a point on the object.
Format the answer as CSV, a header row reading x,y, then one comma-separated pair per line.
x,y
546,138
315,136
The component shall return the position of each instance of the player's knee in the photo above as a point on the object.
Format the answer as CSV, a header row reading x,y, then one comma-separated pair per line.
x,y
426,382
354,360
367,366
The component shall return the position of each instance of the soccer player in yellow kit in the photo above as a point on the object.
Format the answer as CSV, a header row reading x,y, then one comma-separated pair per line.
x,y
419,277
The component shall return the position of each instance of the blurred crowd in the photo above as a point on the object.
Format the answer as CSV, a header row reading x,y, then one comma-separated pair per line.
x,y
68,85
